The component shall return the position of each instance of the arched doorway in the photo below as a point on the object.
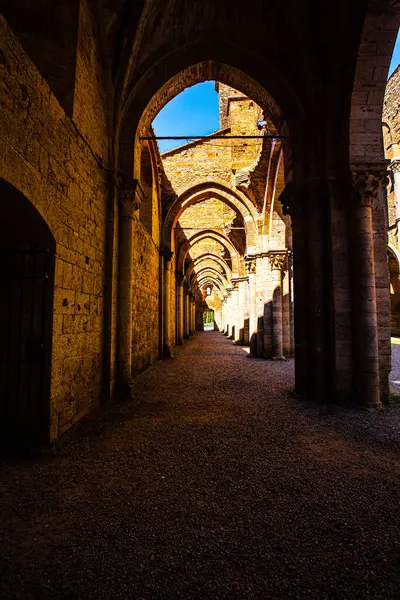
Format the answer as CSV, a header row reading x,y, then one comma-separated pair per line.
x,y
27,257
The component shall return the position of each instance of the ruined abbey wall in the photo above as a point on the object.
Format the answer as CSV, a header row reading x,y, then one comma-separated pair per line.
x,y
54,162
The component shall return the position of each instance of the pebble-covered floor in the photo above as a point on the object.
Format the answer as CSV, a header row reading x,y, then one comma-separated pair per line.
x,y
215,483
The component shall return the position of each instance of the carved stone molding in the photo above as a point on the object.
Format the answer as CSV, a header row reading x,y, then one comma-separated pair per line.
x,y
367,183
295,195
251,264
235,285
167,254
130,196
278,260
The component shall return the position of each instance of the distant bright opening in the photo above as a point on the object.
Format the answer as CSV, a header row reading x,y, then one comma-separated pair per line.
x,y
208,320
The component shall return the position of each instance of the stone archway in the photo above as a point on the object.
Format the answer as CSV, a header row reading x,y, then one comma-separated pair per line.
x,y
27,254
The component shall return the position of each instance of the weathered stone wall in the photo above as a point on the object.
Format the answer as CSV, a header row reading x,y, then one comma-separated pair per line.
x,y
197,162
145,295
46,158
90,110
211,214
391,136
48,32
224,93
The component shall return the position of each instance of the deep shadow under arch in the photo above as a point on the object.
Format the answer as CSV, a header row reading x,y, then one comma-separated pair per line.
x,y
27,257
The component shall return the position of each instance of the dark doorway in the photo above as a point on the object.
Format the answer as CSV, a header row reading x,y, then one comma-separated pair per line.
x,y
27,258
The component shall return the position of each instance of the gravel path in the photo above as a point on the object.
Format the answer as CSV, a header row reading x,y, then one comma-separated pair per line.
x,y
217,484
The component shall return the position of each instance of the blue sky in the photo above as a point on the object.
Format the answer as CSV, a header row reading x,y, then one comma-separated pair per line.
x,y
195,110
396,55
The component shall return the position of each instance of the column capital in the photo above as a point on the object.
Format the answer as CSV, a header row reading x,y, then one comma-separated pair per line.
x,y
180,277
251,264
278,259
131,195
367,181
295,195
167,254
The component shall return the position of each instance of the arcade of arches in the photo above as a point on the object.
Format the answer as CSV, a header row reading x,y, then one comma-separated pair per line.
x,y
118,251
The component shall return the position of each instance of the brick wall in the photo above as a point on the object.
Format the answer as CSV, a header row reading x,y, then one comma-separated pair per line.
x,y
391,136
145,294
46,158
90,111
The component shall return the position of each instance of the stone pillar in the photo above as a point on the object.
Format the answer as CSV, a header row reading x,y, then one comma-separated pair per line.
x,y
251,271
246,315
130,200
395,168
229,312
260,303
181,307
224,313
241,309
193,314
167,350
366,184
278,262
235,311
294,202
187,313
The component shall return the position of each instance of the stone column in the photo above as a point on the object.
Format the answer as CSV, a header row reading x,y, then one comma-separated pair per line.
x,y
260,302
241,309
187,313
278,262
224,312
167,350
395,168
229,312
366,184
235,311
251,271
130,200
193,315
294,200
181,307
246,315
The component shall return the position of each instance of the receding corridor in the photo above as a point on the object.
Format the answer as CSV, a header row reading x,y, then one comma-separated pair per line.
x,y
217,483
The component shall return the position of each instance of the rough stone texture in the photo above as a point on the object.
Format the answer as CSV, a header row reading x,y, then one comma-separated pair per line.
x,y
90,110
221,482
391,136
48,32
195,162
145,294
46,158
